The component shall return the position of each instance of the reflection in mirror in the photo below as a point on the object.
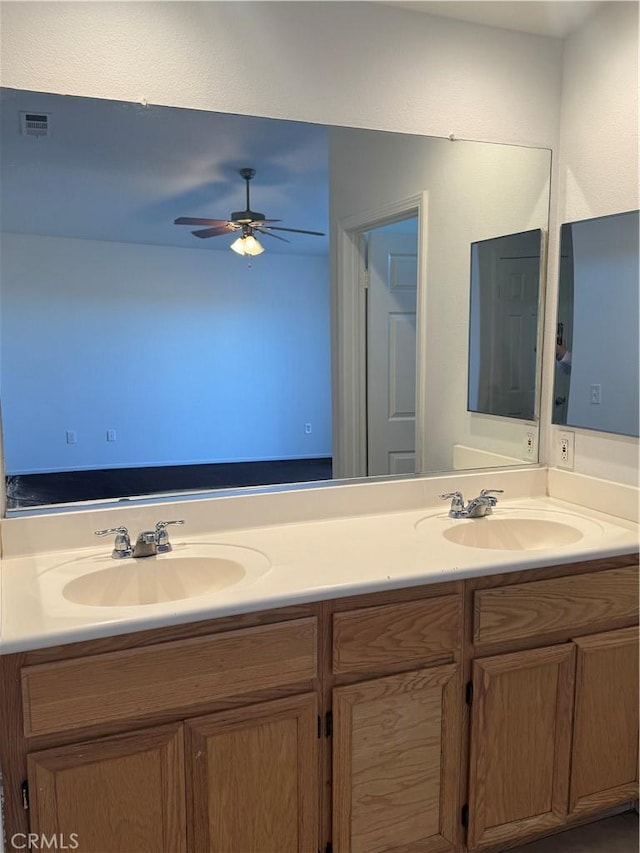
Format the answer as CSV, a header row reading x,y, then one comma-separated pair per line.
x,y
464,192
138,359
596,376
503,325
392,289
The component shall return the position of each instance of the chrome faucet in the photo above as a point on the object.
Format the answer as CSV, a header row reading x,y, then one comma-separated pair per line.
x,y
148,544
477,508
122,546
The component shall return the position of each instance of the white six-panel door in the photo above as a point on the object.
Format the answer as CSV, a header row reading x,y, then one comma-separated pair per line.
x,y
391,354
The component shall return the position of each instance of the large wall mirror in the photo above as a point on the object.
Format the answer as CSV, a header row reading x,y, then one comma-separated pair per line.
x,y
137,358
504,327
596,376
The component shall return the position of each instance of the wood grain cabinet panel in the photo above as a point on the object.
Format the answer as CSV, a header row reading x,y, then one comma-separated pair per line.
x,y
180,675
122,794
409,634
604,766
254,779
573,603
520,745
396,763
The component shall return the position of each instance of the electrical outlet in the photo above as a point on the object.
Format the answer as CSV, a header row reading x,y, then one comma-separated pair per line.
x,y
307,429
72,436
530,443
594,394
565,447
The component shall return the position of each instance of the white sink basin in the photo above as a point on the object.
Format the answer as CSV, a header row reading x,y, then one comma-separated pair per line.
x,y
509,534
517,530
189,571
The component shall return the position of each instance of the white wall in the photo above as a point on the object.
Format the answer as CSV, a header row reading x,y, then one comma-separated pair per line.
x,y
191,356
345,63
597,175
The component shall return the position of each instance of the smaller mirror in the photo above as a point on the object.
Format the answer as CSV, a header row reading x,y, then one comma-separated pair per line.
x,y
596,376
503,325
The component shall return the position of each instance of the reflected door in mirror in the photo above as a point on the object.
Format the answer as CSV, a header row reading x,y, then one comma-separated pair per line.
x,y
505,293
391,351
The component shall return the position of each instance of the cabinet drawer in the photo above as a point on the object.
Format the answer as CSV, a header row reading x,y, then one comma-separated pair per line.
x,y
178,675
567,604
409,633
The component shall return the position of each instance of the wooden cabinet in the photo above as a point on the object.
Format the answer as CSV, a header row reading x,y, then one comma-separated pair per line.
x,y
254,779
242,776
179,676
112,795
406,634
395,762
520,744
575,604
247,780
554,728
604,761
397,728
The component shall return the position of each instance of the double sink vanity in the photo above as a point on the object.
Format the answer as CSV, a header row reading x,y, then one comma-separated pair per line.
x,y
371,677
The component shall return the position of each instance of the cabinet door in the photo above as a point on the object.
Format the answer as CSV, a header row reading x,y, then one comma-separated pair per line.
x,y
604,765
122,794
520,744
254,778
396,763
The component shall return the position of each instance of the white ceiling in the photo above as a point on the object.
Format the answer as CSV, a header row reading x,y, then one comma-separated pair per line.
x,y
123,172
556,18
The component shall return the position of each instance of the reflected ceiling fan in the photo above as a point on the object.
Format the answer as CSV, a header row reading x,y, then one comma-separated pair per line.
x,y
247,222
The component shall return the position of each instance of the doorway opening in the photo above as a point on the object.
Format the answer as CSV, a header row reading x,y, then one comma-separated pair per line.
x,y
378,321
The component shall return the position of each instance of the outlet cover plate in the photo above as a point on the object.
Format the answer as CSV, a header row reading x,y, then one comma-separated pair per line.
x,y
565,449
531,443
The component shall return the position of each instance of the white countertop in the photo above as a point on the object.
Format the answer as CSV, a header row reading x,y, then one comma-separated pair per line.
x,y
305,562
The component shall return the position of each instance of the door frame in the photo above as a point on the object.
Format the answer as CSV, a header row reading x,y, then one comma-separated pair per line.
x,y
349,332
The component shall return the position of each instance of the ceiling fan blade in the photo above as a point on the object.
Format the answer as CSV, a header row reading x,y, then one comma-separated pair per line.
x,y
269,234
212,232
196,220
296,230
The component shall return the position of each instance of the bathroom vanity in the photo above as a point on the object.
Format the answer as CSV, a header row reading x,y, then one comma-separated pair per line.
x,y
467,708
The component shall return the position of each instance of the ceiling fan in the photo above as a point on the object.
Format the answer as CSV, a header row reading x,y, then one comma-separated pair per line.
x,y
245,222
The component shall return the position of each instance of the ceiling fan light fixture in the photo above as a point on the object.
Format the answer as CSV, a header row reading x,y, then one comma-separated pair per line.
x,y
247,245
238,246
252,246
247,220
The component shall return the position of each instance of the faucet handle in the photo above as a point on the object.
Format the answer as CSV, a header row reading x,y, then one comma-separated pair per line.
x,y
456,509
162,524
488,493
162,537
457,501
122,545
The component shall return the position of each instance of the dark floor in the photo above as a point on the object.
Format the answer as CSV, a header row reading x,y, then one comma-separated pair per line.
x,y
617,834
29,490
